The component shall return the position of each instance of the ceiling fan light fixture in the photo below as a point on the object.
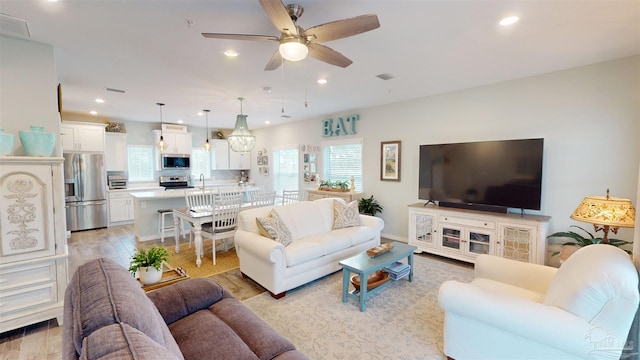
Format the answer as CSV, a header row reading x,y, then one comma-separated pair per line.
x,y
293,49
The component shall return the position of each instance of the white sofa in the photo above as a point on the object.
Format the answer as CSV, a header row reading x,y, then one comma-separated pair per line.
x,y
314,252
517,310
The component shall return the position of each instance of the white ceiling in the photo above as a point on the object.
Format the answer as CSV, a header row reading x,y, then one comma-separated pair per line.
x,y
149,49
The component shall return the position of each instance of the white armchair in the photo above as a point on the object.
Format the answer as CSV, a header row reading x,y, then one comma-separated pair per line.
x,y
517,310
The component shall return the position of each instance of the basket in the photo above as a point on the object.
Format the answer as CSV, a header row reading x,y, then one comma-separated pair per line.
x,y
373,280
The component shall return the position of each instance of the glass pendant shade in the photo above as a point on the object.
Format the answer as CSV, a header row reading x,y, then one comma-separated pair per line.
x,y
293,49
207,144
162,145
241,139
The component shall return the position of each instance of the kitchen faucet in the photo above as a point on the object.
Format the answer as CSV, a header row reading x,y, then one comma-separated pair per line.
x,y
202,179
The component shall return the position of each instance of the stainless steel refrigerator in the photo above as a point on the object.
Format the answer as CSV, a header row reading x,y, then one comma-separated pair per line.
x,y
85,191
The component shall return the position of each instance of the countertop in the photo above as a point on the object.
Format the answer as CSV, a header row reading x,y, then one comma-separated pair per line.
x,y
170,194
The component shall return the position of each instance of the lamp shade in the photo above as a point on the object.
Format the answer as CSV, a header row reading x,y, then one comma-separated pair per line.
x,y
605,210
241,139
293,49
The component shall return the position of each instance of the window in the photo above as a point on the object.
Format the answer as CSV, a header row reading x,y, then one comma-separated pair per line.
x,y
140,162
342,159
200,163
285,168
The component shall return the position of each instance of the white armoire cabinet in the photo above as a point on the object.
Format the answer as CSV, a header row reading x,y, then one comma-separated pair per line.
x,y
33,248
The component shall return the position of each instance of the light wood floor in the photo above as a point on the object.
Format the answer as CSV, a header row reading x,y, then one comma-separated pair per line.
x,y
44,340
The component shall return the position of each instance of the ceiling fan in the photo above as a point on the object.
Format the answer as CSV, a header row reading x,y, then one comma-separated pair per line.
x,y
296,43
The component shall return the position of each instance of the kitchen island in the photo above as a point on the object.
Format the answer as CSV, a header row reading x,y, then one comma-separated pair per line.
x,y
147,204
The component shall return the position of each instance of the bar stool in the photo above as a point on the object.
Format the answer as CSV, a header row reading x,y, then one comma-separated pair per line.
x,y
163,226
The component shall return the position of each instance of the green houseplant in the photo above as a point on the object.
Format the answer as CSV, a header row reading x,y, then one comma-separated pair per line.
x,y
338,185
579,240
369,206
148,264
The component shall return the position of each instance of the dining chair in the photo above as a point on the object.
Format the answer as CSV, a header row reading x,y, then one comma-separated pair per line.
x,y
290,196
260,199
198,200
226,207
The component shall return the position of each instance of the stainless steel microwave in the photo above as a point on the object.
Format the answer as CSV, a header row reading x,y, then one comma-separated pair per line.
x,y
176,161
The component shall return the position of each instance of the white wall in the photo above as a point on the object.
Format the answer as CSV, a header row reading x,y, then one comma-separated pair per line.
x,y
28,89
588,117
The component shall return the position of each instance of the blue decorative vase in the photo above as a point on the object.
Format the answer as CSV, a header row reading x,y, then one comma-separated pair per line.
x,y
6,143
37,142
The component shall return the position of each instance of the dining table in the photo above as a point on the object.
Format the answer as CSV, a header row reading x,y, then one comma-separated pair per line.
x,y
195,217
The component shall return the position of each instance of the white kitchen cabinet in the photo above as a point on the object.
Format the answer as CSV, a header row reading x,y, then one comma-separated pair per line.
x,y
239,161
33,251
82,136
177,142
120,207
226,159
116,151
220,156
464,234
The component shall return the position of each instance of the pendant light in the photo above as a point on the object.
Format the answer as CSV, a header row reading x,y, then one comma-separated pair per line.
x,y
162,145
241,139
207,144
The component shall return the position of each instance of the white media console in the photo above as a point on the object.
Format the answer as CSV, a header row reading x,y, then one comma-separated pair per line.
x,y
464,234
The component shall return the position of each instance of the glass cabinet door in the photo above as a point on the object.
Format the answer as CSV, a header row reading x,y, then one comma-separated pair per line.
x,y
423,229
479,242
451,237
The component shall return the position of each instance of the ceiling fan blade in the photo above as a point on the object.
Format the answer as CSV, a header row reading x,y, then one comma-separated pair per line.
x,y
342,28
240,37
279,16
328,55
274,62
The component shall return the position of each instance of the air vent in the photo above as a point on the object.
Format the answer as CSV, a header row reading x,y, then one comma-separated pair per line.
x,y
385,76
10,25
285,116
115,90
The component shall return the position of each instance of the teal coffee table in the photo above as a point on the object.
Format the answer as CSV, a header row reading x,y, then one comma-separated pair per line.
x,y
363,265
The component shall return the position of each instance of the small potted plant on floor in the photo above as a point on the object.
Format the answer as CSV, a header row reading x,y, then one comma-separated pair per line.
x,y
369,206
578,241
148,264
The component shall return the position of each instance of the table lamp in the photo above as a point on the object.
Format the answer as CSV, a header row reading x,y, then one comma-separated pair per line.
x,y
606,213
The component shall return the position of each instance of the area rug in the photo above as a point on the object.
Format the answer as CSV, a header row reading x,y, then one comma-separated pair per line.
x,y
186,259
403,321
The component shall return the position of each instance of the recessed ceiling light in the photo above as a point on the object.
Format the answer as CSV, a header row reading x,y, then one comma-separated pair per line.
x,y
322,81
180,121
99,101
231,53
200,113
509,20
93,112
267,122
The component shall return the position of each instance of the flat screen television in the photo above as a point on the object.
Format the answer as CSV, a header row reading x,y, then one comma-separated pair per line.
x,y
486,175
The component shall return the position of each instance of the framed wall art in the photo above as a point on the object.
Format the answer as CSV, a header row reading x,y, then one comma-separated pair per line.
x,y
390,160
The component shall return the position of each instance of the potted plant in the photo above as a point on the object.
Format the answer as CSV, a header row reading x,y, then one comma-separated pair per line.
x,y
578,240
369,206
338,185
148,264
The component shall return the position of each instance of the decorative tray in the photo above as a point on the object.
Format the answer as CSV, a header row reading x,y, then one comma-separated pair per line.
x,y
170,275
373,280
380,249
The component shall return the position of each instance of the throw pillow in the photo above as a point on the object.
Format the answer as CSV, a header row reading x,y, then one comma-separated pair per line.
x,y
345,215
273,228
